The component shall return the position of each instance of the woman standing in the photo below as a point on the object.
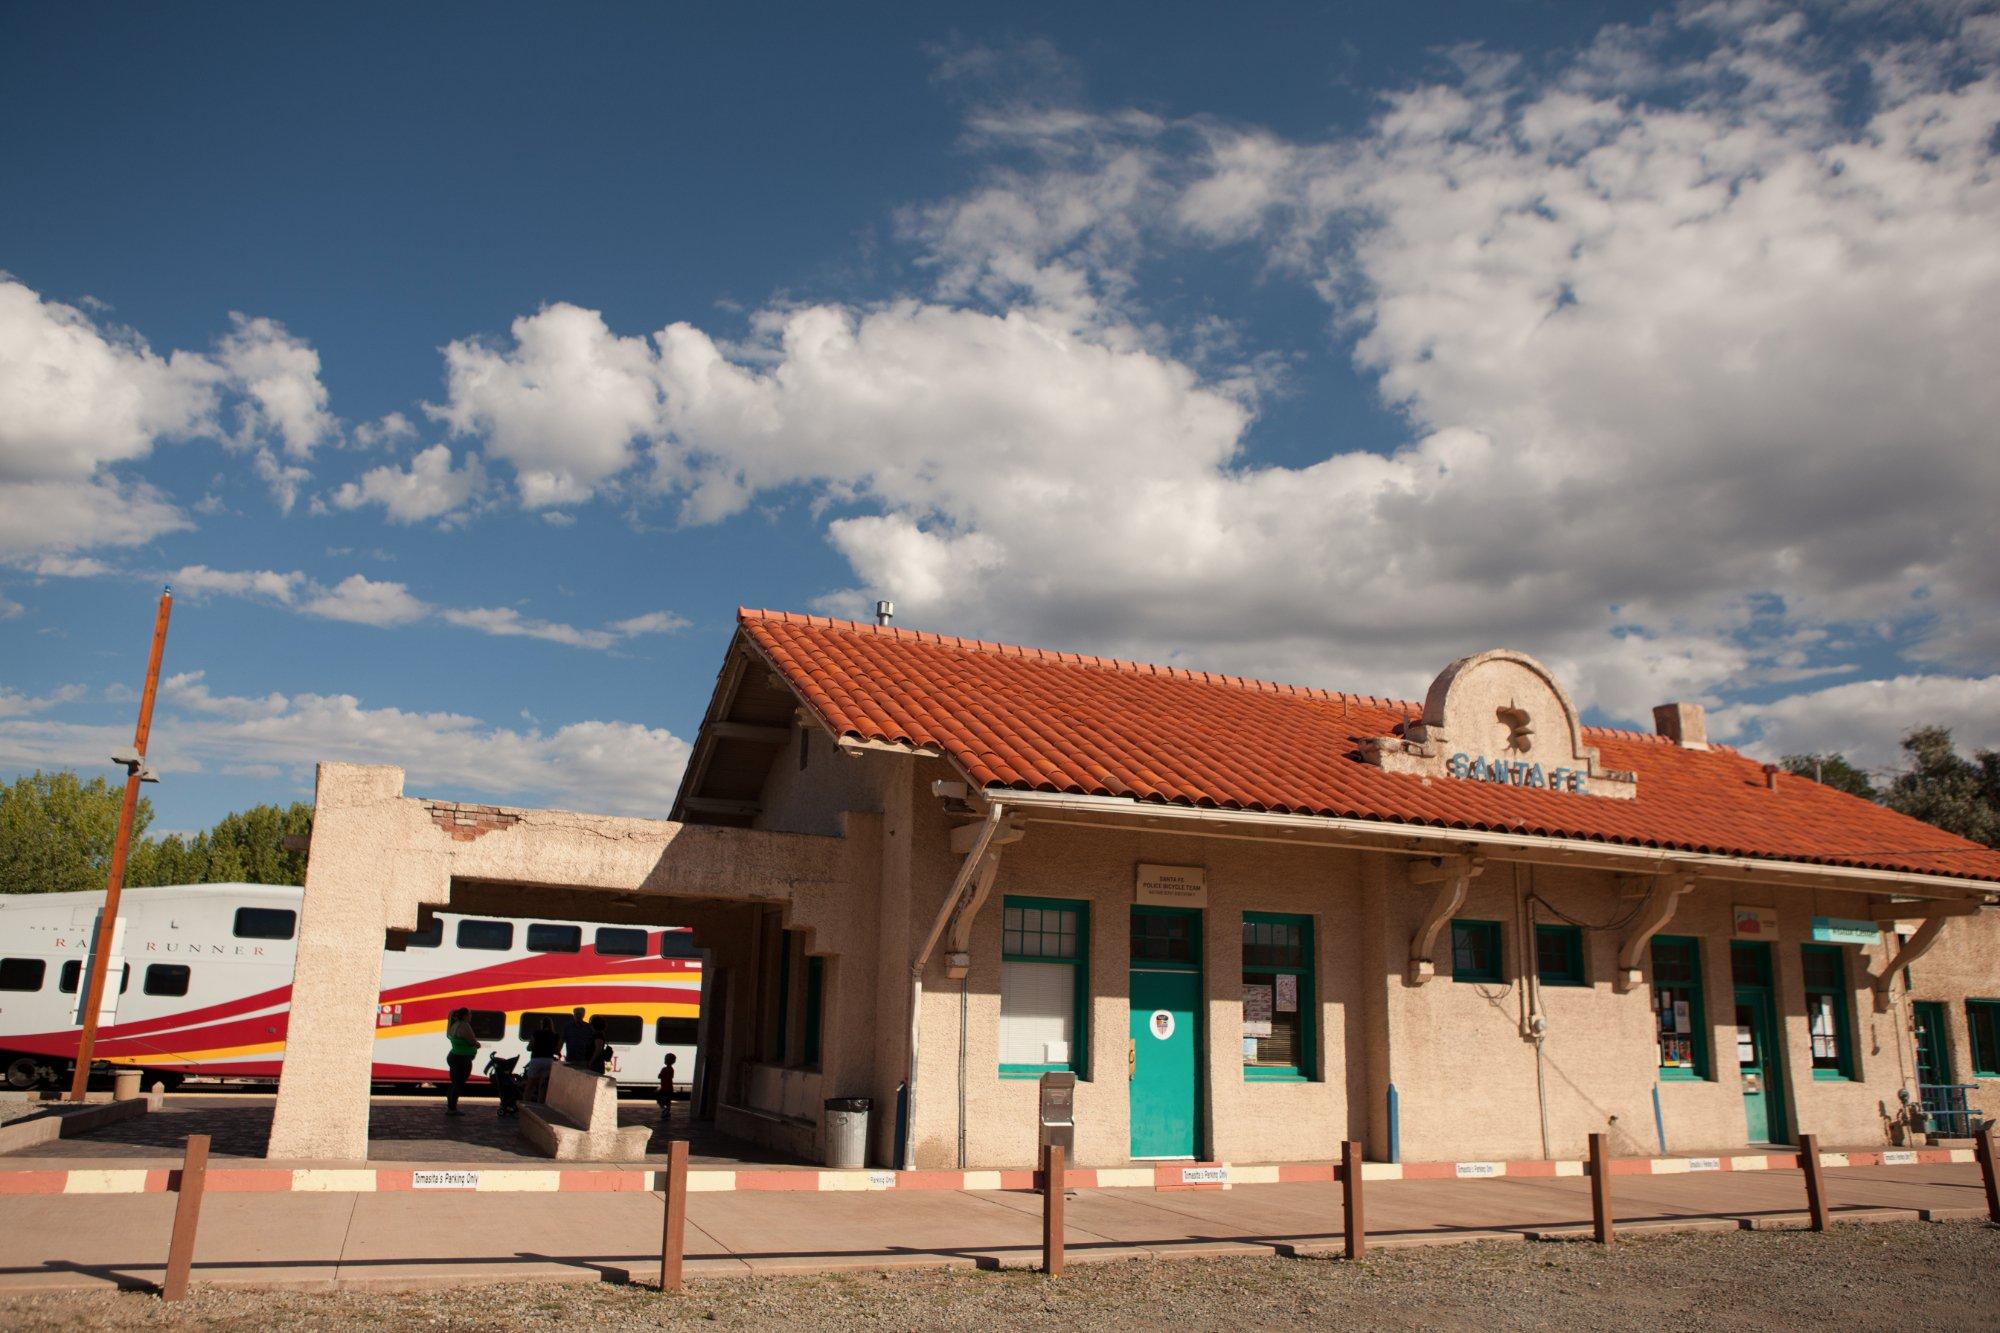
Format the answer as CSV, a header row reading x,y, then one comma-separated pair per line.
x,y
458,1031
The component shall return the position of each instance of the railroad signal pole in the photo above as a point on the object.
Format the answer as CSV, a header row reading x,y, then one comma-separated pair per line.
x,y
136,772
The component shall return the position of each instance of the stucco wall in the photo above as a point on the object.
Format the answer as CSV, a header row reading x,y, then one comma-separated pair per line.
x,y
1467,1079
1963,964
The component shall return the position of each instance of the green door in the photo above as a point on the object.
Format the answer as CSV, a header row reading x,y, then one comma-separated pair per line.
x,y
1165,1032
1757,1058
1933,1050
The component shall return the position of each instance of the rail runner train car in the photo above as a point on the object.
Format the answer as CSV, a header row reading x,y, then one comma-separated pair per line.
x,y
201,982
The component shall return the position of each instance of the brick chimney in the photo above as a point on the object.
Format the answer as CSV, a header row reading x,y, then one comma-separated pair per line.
x,y
1686,725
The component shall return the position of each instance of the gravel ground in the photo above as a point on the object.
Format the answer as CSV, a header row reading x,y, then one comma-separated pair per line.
x,y
1935,1276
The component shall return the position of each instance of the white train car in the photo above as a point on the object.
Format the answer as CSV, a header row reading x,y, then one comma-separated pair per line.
x,y
201,979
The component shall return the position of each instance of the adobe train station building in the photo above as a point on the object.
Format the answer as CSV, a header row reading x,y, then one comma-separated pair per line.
x,y
1253,919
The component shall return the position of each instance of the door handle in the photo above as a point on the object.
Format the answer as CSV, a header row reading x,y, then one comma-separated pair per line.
x,y
1131,1060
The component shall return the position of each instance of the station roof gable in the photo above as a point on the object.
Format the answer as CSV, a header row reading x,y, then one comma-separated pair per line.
x,y
1028,719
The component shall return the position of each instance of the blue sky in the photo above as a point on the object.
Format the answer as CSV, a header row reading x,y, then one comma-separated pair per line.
x,y
466,366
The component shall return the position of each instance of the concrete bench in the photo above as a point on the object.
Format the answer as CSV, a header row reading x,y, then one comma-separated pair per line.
x,y
579,1121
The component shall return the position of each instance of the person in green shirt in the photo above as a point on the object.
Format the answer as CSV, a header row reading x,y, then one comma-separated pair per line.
x,y
458,1031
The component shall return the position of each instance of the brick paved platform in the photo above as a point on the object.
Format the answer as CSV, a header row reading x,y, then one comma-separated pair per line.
x,y
400,1129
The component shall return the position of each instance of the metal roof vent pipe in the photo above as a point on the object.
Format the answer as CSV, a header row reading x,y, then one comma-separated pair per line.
x,y
885,611
1771,772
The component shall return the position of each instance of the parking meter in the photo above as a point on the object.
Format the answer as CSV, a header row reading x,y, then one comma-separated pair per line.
x,y
1058,1111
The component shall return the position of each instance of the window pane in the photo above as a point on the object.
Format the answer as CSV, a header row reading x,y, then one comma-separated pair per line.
x,y
1162,939
620,942
1559,955
532,1023
166,979
1982,1021
676,1031
265,923
488,1024
621,1029
71,977
1822,969
486,935
545,938
1475,951
430,937
1037,1013
678,944
22,973
1274,1020
1824,1027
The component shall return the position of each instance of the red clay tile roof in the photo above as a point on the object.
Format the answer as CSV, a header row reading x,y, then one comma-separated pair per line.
x,y
1030,719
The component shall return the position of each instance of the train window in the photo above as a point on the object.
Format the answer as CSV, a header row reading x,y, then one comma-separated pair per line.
x,y
544,938
489,1024
676,1031
532,1023
621,941
430,936
22,973
72,974
486,934
678,944
621,1029
266,923
166,979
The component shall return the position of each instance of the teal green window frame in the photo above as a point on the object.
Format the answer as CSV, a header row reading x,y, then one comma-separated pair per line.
x,y
1982,1028
1572,972
1306,1070
815,986
1465,930
1843,1023
1689,989
1079,966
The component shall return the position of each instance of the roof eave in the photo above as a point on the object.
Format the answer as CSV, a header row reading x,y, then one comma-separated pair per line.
x,y
1430,839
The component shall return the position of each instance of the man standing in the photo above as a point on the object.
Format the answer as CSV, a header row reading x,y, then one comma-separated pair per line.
x,y
579,1040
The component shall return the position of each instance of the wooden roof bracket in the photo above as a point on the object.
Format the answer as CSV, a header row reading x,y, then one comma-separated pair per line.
x,y
1930,918
1453,876
958,936
1663,895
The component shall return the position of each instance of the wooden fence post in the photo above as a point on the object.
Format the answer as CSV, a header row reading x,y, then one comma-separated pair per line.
x,y
1987,1148
1355,1242
1815,1181
1052,1210
1600,1190
187,1217
673,1235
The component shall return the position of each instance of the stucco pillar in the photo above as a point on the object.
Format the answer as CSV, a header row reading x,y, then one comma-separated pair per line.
x,y
322,1110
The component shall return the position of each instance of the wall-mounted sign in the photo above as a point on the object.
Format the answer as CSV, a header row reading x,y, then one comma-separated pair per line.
x,y
1161,1024
1756,923
1515,773
1171,886
1838,930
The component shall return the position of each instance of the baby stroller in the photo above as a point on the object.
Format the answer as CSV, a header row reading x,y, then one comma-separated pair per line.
x,y
500,1073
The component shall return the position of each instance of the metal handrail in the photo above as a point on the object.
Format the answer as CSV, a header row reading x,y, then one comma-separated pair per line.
x,y
1947,1109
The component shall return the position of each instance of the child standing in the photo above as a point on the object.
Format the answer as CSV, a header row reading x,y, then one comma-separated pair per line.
x,y
665,1096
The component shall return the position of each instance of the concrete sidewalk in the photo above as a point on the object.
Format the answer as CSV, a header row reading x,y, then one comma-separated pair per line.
x,y
302,1240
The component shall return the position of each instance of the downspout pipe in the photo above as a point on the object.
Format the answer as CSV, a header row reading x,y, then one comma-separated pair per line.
x,y
961,886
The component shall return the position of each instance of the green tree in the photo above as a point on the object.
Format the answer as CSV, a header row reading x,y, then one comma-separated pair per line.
x,y
1940,787
1832,770
56,832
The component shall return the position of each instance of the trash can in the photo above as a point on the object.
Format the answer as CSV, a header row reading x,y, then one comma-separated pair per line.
x,y
847,1131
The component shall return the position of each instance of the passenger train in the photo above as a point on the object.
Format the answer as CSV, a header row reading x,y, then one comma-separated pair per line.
x,y
203,982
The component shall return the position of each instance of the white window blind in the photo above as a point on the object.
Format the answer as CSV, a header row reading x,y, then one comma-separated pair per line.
x,y
1037,1006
